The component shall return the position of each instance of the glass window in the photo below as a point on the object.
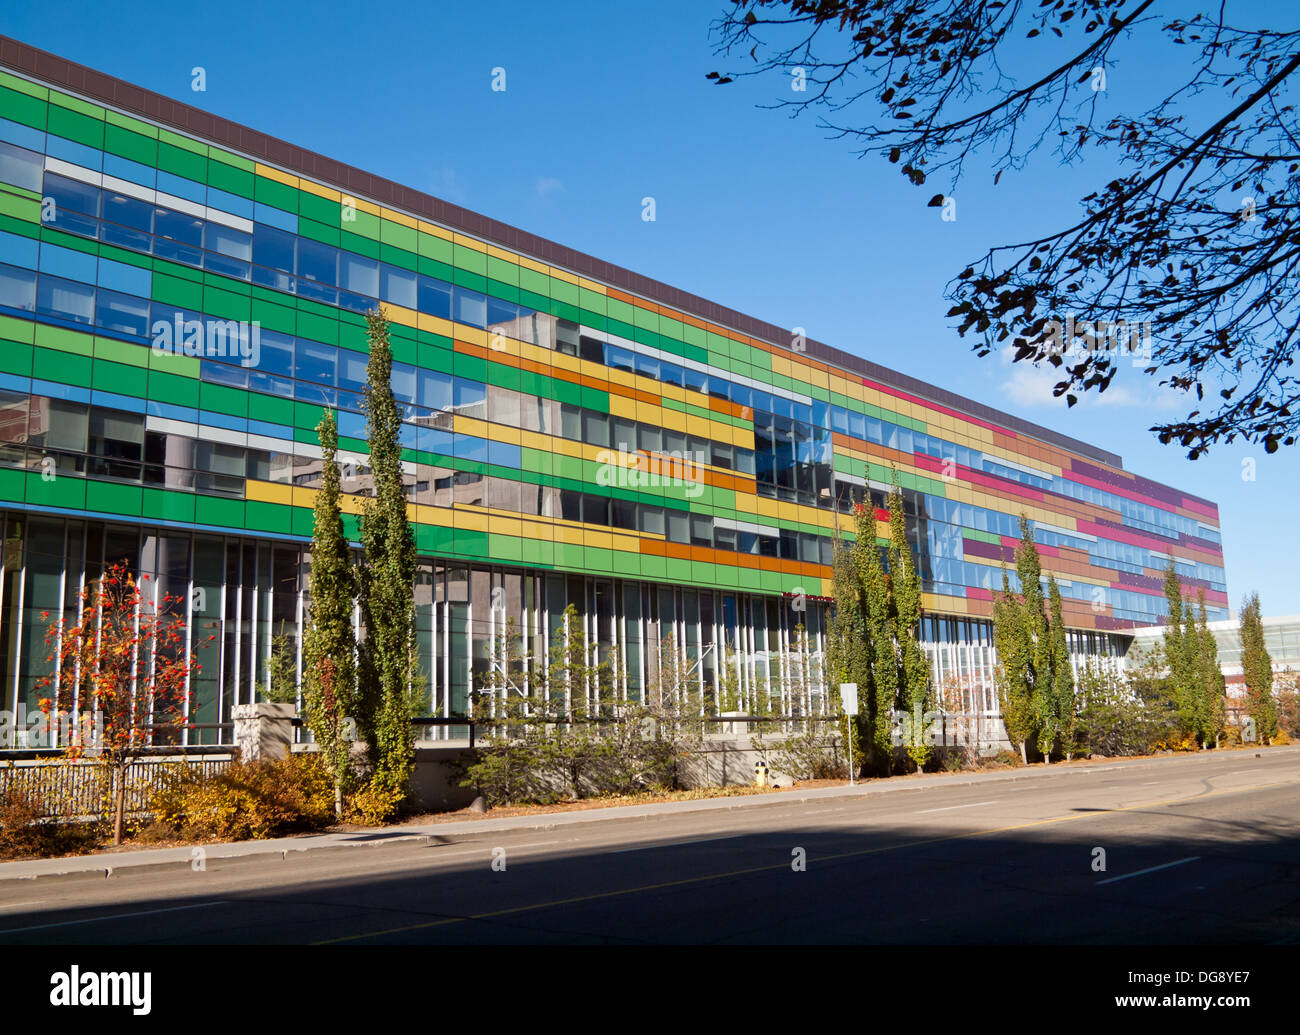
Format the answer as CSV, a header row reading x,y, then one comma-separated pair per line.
x,y
276,354
652,519
358,273
222,373
470,398
671,373
619,359
316,362
403,381
125,313
571,505
398,286
20,167
647,366
435,390
499,312
67,424
116,443
595,428
273,248
178,236
701,530
318,270
696,380
570,422
623,514
650,438
128,222
595,509
352,369
624,434
435,297
471,307
678,525
71,195
17,288
65,299
229,241
503,406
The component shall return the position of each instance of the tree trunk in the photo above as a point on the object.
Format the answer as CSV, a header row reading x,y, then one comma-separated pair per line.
x,y
1024,753
119,804
338,801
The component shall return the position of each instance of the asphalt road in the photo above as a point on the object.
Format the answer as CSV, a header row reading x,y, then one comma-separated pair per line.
x,y
1198,850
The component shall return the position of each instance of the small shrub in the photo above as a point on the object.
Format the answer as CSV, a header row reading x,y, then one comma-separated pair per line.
x,y
373,805
24,832
814,753
248,800
1177,742
20,823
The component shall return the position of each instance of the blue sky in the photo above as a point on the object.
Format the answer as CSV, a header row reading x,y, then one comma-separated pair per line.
x,y
607,104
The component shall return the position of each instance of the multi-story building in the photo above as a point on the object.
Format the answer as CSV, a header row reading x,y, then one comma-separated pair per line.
x,y
575,433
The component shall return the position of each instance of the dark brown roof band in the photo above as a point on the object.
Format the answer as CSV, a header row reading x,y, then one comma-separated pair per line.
x,y
130,98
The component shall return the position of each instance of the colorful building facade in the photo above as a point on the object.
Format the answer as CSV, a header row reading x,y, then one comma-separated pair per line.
x,y
181,300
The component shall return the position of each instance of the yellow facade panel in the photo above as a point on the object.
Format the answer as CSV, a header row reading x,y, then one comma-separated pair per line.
x,y
272,173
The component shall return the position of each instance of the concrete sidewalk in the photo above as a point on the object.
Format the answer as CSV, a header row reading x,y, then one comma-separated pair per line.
x,y
107,863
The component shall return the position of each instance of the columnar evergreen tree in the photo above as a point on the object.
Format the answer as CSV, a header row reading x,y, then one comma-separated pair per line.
x,y
386,580
1211,699
1179,654
1014,676
1034,679
1065,711
883,702
1257,668
874,636
329,645
848,650
913,665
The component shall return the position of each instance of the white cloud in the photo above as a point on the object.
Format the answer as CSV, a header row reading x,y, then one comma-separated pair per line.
x,y
1030,385
548,185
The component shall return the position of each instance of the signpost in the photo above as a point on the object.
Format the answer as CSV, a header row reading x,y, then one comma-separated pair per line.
x,y
849,700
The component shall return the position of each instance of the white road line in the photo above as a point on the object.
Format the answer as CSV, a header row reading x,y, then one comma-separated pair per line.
x,y
949,808
1149,869
115,916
